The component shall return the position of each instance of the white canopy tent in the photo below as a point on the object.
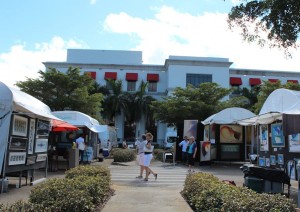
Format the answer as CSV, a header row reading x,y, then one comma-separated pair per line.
x,y
228,116
281,101
79,119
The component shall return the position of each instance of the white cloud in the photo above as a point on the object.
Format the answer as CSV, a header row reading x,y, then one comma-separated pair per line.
x,y
19,63
93,1
170,32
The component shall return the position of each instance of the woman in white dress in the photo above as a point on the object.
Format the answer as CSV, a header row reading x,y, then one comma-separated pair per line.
x,y
148,150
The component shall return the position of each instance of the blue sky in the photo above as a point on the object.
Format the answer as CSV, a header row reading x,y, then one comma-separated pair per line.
x,y
34,31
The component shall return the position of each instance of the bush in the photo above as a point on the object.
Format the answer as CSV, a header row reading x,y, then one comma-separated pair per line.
x,y
88,171
124,155
158,154
204,192
61,195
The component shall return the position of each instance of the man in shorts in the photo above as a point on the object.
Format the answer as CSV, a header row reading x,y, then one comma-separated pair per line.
x,y
140,150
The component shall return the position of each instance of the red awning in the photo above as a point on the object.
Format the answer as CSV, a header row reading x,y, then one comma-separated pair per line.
x,y
235,81
131,76
59,126
254,81
91,74
153,77
110,75
273,80
293,81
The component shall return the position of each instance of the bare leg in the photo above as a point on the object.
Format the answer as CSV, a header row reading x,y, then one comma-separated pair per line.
x,y
141,170
147,172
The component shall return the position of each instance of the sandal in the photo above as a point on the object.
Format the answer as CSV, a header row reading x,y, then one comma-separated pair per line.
x,y
145,179
138,177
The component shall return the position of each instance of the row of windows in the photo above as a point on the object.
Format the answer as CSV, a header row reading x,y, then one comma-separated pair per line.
x,y
131,86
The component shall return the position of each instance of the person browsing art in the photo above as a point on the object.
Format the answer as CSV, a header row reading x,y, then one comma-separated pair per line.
x,y
191,151
183,144
81,146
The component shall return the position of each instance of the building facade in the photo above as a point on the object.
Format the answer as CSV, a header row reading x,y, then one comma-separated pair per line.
x,y
177,71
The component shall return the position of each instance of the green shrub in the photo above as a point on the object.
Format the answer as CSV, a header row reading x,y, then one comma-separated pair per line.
x,y
61,195
158,154
88,171
204,192
23,206
124,155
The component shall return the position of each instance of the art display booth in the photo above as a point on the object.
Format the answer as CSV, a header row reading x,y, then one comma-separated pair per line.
x,y
25,123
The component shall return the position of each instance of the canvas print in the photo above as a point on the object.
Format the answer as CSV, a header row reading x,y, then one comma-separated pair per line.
x,y
291,166
31,136
206,133
268,162
277,135
294,142
19,126
43,128
190,128
280,159
273,160
205,151
264,138
231,134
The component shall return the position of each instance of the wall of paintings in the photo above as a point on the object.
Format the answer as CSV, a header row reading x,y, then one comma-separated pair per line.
x,y
275,149
28,143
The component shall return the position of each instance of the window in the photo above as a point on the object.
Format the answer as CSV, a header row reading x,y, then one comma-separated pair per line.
x,y
197,79
152,86
131,85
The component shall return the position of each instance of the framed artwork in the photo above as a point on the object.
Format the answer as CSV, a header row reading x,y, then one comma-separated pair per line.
x,y
16,158
273,160
280,159
206,133
291,169
231,134
43,128
19,126
17,143
190,128
30,160
41,145
262,161
264,138
267,162
31,136
277,135
294,142
204,151
41,157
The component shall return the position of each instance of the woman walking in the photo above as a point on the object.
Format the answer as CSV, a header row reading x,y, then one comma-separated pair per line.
x,y
191,150
148,156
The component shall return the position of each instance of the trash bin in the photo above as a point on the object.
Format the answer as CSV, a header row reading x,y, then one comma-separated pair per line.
x,y
254,183
105,152
5,185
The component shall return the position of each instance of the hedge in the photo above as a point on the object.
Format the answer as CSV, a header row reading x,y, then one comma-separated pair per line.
x,y
205,192
124,155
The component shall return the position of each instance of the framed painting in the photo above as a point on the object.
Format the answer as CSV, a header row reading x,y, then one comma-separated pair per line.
x,y
262,161
206,133
31,136
231,134
264,138
277,135
41,145
41,157
17,143
30,160
16,158
268,162
19,126
280,159
43,128
272,160
294,142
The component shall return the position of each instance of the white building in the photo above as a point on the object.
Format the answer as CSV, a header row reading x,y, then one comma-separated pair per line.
x,y
178,71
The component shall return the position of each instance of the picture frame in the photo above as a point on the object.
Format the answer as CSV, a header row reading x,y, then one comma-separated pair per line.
x,y
231,134
264,137
19,126
16,158
277,135
262,161
41,145
280,159
41,157
30,160
294,142
17,143
268,162
272,160
31,136
43,128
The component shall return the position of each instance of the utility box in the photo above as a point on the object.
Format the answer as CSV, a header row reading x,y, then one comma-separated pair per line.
x,y
254,183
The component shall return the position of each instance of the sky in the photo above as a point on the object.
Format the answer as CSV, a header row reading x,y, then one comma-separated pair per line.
x,y
35,31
